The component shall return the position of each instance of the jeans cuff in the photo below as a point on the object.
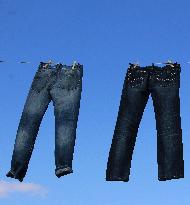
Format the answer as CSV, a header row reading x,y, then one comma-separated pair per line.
x,y
170,177
117,179
61,171
12,175
176,173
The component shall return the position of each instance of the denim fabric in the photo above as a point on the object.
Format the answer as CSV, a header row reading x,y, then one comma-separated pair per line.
x,y
163,84
63,85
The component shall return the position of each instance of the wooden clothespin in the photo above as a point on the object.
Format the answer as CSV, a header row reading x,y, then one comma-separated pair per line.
x,y
48,63
136,64
169,62
74,64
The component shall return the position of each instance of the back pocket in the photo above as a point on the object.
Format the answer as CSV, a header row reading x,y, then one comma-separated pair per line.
x,y
167,78
135,78
70,81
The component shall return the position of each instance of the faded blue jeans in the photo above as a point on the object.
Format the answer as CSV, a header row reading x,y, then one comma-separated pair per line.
x,y
163,84
62,85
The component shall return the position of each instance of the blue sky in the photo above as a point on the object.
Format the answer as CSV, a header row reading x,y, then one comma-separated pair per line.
x,y
104,36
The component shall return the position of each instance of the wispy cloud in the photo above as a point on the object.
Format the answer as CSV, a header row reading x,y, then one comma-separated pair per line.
x,y
34,189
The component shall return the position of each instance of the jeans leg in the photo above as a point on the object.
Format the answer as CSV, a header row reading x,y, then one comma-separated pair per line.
x,y
169,133
66,110
34,109
132,104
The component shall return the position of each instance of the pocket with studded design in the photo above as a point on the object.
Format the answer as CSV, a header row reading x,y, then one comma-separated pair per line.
x,y
135,78
167,78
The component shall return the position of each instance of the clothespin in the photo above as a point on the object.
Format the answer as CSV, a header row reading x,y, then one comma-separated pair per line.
x,y
48,63
74,64
169,62
136,64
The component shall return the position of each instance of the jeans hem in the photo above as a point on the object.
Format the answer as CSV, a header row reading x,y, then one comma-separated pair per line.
x,y
12,175
63,171
117,179
170,177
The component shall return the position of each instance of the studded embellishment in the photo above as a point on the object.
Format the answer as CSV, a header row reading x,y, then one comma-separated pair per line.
x,y
135,78
167,77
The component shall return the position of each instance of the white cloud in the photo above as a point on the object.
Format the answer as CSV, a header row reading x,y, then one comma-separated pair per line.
x,y
35,189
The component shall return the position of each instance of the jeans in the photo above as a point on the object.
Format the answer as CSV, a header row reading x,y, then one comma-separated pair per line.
x,y
63,85
163,84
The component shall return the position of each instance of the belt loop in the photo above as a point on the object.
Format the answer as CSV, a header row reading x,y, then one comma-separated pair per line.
x,y
41,65
59,66
58,69
131,65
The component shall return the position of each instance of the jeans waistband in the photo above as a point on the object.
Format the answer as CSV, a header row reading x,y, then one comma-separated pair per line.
x,y
60,68
175,66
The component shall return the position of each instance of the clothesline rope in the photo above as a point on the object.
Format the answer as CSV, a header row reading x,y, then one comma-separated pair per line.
x,y
169,62
48,62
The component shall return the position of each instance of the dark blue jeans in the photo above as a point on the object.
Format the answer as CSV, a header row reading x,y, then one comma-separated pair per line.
x,y
62,85
163,84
